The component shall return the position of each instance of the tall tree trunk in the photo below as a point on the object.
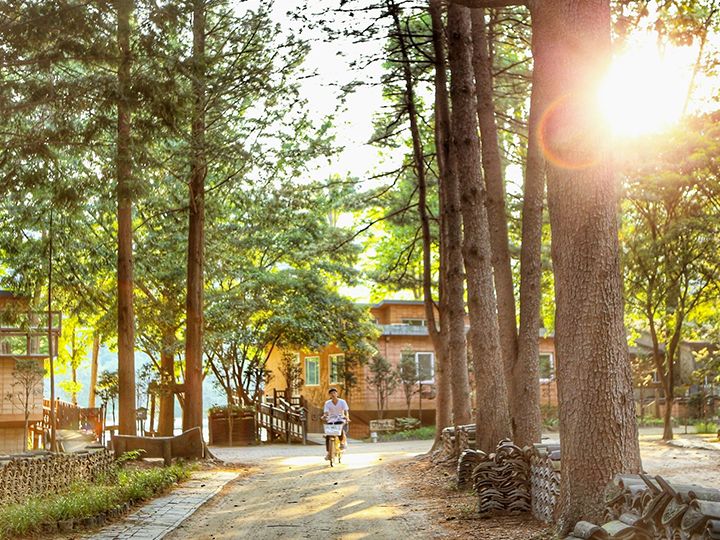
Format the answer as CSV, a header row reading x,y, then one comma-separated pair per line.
x,y
443,397
495,202
460,399
492,414
94,370
192,413
51,341
527,418
126,316
598,432
166,421
73,369
671,350
455,292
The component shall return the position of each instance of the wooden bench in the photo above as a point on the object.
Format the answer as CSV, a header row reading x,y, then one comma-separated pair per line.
x,y
188,444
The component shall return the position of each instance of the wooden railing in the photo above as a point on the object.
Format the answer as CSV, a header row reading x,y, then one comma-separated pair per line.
x,y
277,395
67,416
283,421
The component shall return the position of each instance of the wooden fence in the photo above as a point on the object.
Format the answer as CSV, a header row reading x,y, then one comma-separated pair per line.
x,y
283,421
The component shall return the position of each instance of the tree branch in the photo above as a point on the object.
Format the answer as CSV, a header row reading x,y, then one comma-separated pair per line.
x,y
489,3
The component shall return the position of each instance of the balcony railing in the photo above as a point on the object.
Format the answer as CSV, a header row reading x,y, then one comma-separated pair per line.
x,y
25,334
403,330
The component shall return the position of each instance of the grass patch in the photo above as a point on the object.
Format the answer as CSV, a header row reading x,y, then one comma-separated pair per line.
x,y
417,434
84,499
703,426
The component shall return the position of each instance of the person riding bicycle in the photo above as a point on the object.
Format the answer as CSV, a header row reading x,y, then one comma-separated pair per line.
x,y
336,411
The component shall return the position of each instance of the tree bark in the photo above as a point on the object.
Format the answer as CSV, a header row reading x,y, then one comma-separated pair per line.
x,y
598,432
192,413
94,370
458,369
73,368
492,413
166,421
126,315
443,398
527,419
495,202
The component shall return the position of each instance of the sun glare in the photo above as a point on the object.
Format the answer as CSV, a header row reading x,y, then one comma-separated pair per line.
x,y
645,89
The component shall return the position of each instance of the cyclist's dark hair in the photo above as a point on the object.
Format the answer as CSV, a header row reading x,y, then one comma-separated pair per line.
x,y
332,390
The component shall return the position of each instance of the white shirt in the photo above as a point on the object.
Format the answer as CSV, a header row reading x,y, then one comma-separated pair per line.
x,y
334,411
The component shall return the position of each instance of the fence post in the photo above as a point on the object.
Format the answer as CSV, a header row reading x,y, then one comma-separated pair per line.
x,y
256,422
287,422
303,419
271,433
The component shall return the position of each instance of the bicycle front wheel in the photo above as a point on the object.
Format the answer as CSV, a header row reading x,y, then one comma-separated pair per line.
x,y
332,451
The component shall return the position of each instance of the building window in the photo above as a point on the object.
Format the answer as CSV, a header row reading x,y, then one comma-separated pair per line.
x,y
312,371
426,367
414,322
547,367
337,368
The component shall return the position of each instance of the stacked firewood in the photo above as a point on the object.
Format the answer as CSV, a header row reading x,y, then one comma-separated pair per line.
x,y
544,480
645,508
468,460
502,480
448,441
454,441
30,475
466,437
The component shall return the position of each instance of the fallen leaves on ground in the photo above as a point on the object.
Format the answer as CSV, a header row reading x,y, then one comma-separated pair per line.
x,y
434,490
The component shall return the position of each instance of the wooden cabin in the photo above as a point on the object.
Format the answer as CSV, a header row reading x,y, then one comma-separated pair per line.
x,y
403,331
23,336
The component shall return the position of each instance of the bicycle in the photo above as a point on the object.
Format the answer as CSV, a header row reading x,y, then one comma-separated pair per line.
x,y
333,432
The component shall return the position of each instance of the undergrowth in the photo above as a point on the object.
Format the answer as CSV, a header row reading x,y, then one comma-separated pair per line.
x,y
85,499
417,434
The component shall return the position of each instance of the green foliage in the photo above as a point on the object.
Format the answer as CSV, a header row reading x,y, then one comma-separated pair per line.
x,y
405,424
408,375
130,455
704,426
87,499
650,421
418,434
671,238
550,417
107,389
236,409
383,379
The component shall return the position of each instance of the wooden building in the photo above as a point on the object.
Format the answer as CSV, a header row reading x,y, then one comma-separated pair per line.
x,y
23,336
403,332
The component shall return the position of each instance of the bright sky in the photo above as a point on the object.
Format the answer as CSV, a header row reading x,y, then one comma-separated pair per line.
x,y
330,60
646,88
644,92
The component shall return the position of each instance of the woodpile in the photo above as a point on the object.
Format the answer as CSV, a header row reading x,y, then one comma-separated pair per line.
x,y
466,437
643,508
502,480
468,460
544,480
454,441
34,474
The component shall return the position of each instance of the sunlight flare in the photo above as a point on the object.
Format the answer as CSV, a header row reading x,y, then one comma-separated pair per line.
x,y
645,88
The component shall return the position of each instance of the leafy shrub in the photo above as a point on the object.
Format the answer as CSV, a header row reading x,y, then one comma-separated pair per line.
x,y
418,434
650,421
85,499
703,426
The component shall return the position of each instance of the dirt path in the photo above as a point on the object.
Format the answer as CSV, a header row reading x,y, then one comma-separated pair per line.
x,y
294,494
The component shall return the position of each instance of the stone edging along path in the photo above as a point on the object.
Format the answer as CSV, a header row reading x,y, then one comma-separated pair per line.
x,y
163,515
